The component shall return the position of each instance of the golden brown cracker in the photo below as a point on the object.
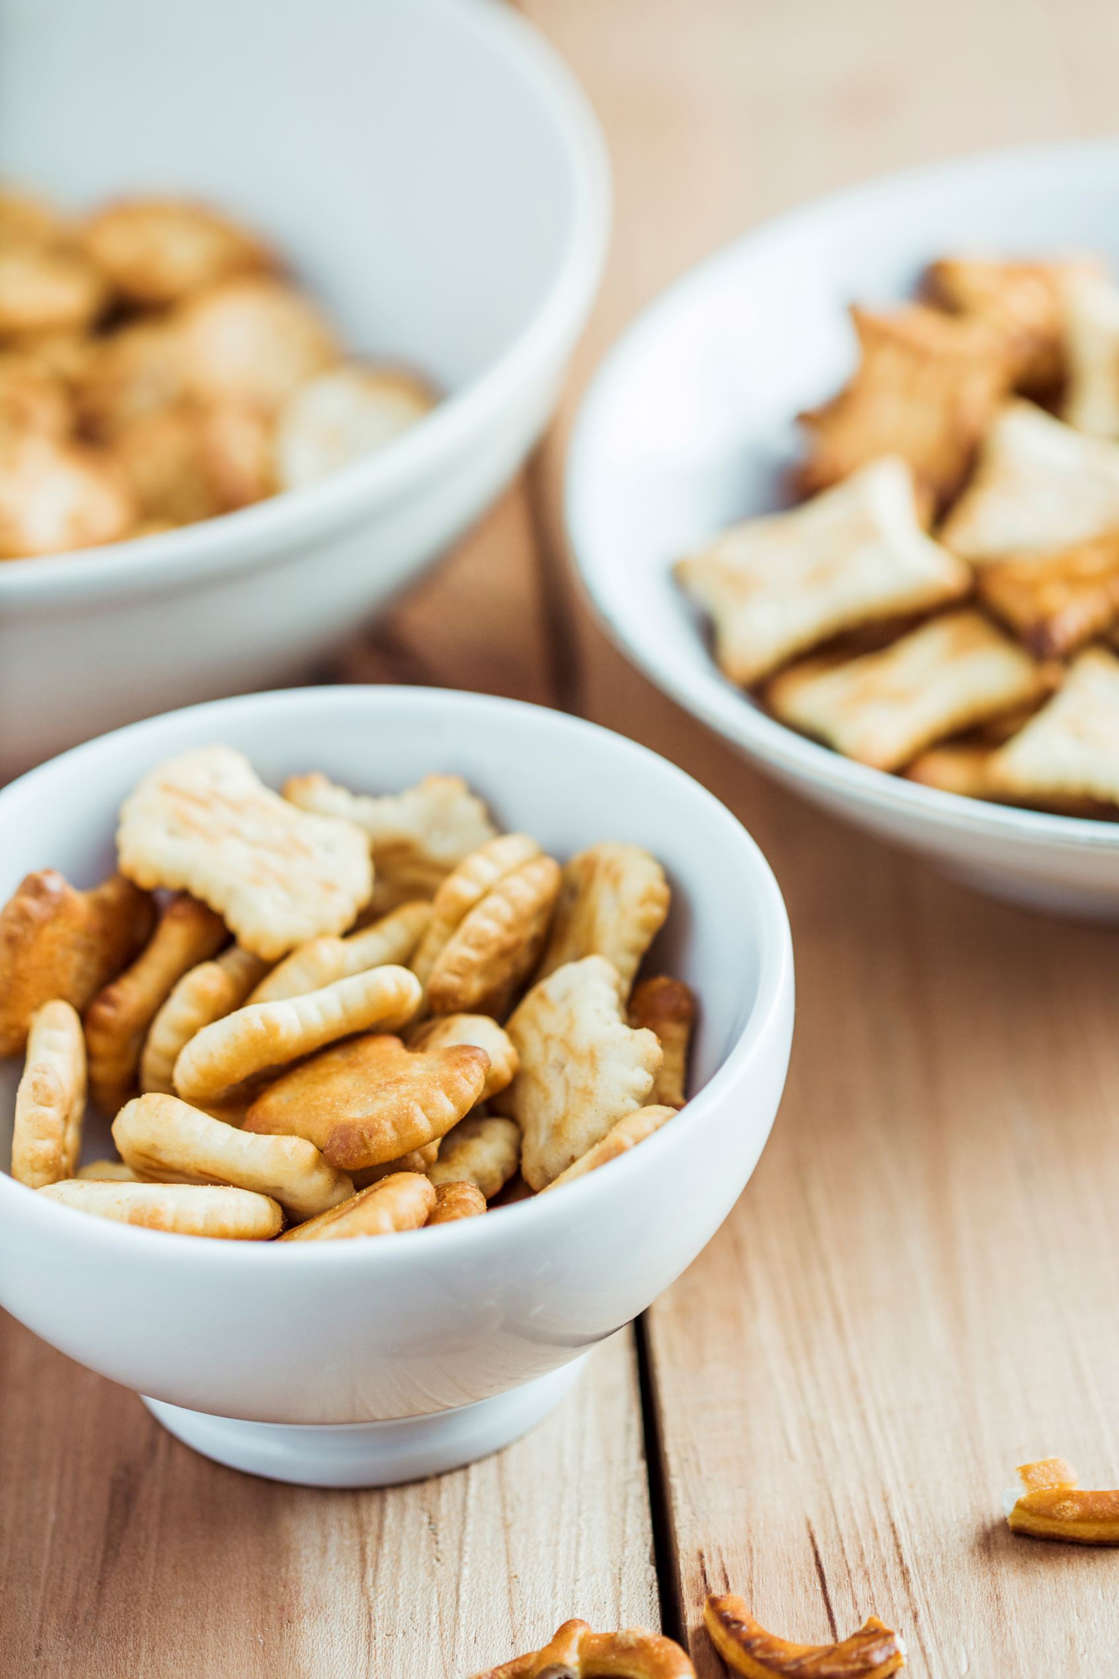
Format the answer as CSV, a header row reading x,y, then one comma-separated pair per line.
x,y
206,993
158,251
403,1201
391,939
482,1149
236,1215
478,1029
668,1008
454,1201
623,1135
613,902
50,1098
497,944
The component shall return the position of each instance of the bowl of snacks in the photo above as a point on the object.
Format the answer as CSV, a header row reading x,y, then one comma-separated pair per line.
x,y
284,973
849,492
267,347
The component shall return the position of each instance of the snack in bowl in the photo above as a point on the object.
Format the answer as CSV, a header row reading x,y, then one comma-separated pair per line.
x,y
906,650
158,368
333,1070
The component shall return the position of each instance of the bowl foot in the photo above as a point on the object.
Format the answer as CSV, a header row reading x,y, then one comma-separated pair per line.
x,y
376,1454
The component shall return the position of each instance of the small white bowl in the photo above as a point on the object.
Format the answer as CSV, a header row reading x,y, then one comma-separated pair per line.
x,y
369,1361
689,426
436,178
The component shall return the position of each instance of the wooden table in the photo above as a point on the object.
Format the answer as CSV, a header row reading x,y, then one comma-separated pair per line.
x,y
918,1289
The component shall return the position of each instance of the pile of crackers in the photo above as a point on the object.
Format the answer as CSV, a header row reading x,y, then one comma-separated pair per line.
x,y
323,1014
157,367
945,603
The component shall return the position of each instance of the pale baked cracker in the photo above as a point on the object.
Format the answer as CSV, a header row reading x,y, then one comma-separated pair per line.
x,y
1038,486
1091,328
342,416
203,822
668,1008
464,887
57,495
1056,602
206,993
161,1137
58,942
372,1100
252,339
157,251
1071,748
236,1215
623,1135
47,288
582,1067
118,1019
483,1149
416,1160
400,1202
497,944
1023,299
390,940
613,902
483,1032
454,1201
883,708
926,388
417,837
853,556
263,1035
50,1098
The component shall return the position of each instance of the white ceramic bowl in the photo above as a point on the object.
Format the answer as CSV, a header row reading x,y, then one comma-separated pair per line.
x,y
437,179
432,1347
689,426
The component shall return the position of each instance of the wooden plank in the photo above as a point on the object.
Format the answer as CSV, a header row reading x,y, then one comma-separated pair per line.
x,y
917,1290
124,1553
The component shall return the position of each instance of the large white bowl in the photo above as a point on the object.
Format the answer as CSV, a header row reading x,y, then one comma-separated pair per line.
x,y
437,179
689,426
431,1346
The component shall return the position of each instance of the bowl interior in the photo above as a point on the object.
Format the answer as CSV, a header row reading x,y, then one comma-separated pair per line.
x,y
690,425
566,782
397,154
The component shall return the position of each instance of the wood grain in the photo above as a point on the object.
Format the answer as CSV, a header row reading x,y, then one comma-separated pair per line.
x,y
917,1291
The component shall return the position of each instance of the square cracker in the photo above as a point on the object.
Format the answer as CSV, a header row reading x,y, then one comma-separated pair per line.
x,y
927,387
1090,306
204,823
1023,299
1039,485
857,554
882,708
1071,748
1056,602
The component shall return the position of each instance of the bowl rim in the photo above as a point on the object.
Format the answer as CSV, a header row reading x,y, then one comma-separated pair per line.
x,y
741,721
246,539
111,1240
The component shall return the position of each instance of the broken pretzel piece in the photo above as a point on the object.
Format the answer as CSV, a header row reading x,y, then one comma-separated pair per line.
x,y
578,1653
871,1653
1053,1506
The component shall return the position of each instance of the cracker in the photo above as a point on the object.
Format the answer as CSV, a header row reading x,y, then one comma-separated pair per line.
x,y
464,888
1023,300
32,399
1091,325
189,462
161,250
132,374
1071,748
403,1201
454,1201
252,340
883,708
206,993
1039,486
161,1137
392,939
47,288
50,1099
623,1135
854,556
204,823
118,1019
581,1067
236,1215
497,944
478,1029
342,416
961,767
416,1160
613,903
108,1171
483,1149
56,496
926,388
1056,602
668,1008
265,1035
26,219
417,837
58,942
